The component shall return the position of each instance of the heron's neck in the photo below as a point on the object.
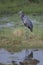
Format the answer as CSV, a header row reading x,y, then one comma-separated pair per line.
x,y
22,17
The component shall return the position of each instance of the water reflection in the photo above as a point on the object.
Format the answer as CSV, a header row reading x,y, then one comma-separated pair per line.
x,y
29,60
24,57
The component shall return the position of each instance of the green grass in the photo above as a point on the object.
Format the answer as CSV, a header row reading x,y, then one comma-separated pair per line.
x,y
19,38
13,7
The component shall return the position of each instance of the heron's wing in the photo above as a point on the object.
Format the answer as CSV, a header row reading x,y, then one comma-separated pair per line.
x,y
27,21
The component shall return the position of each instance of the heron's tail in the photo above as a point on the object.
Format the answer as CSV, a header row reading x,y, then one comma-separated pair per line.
x,y
31,29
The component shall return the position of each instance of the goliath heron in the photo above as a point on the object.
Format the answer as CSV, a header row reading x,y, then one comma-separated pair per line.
x,y
27,22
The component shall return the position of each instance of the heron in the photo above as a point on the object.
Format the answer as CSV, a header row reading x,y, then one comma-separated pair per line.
x,y
27,22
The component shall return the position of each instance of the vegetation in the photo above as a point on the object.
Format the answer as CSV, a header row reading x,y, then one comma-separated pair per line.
x,y
13,6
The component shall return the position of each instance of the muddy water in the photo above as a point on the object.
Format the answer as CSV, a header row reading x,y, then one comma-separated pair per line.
x,y
24,56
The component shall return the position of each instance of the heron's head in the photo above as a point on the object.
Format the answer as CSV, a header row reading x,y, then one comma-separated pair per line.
x,y
21,13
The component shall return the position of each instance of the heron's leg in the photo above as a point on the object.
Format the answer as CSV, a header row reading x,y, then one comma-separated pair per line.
x,y
26,33
26,54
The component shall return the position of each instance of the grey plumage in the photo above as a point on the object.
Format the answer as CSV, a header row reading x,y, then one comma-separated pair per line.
x,y
27,22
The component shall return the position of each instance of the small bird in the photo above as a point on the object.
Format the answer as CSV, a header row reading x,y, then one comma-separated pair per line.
x,y
27,22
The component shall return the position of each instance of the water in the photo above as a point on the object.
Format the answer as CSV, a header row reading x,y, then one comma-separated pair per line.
x,y
7,57
10,21
7,25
